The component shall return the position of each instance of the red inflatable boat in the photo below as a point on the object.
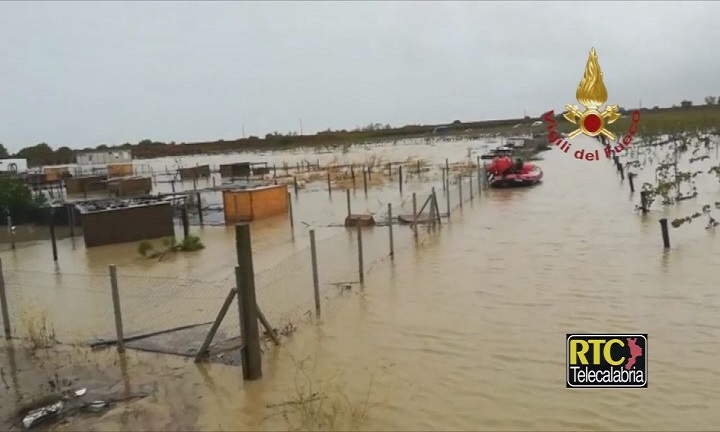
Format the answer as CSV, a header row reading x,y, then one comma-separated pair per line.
x,y
503,172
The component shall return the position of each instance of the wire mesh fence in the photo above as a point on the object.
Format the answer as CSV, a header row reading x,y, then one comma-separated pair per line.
x,y
79,307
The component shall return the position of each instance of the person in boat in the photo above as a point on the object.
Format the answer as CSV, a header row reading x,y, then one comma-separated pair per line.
x,y
515,168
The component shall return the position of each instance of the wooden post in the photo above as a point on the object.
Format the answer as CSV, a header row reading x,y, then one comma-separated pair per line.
x,y
369,170
295,184
347,192
185,223
316,282
200,209
418,167
328,181
460,190
644,201
390,229
447,166
211,334
665,234
447,195
365,180
622,172
389,168
290,211
415,214
213,181
194,180
361,270
274,171
4,305
470,186
443,177
245,278
400,177
479,174
630,180
11,232
52,234
71,220
352,174
117,309
437,207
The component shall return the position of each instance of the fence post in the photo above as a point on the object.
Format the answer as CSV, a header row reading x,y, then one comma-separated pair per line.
x,y
365,180
400,177
316,282
447,194
295,184
245,277
470,186
52,234
360,255
290,211
643,201
665,234
630,180
200,209
185,223
415,214
352,174
4,305
328,181
479,174
443,176
116,308
390,229
11,232
347,193
460,189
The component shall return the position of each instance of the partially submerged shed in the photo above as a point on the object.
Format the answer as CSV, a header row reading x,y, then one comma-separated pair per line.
x,y
125,221
129,186
240,169
85,184
247,204
196,172
120,170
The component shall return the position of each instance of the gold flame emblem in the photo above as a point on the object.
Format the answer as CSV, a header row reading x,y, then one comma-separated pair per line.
x,y
591,93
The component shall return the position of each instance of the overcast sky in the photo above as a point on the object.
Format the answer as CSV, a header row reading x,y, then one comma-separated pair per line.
x,y
89,73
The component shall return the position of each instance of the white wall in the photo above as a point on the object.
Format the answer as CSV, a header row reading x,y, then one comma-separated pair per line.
x,y
20,165
104,157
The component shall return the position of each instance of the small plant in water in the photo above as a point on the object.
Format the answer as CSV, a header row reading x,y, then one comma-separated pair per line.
x,y
190,243
40,333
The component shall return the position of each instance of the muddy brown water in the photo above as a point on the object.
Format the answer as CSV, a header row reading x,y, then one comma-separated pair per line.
x,y
467,330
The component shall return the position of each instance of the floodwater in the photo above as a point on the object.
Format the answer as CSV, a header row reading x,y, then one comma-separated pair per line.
x,y
465,330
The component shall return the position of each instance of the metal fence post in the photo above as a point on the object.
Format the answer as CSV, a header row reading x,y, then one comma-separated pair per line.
x,y
11,232
390,229
415,215
447,195
4,305
116,308
290,210
316,282
360,255
460,190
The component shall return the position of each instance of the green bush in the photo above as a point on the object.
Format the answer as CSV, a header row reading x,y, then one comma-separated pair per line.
x,y
17,199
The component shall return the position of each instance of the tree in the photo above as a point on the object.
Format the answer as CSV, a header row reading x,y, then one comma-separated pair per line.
x,y
3,151
17,199
64,155
710,100
41,154
686,104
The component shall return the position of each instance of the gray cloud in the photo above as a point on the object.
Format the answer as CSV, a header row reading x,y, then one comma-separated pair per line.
x,y
87,73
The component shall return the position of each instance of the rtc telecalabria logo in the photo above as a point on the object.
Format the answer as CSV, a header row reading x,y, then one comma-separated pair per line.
x,y
592,94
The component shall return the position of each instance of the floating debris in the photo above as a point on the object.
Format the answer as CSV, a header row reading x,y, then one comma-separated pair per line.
x,y
40,415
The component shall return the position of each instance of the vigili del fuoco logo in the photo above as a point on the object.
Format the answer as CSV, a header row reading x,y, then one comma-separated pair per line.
x,y
593,120
607,360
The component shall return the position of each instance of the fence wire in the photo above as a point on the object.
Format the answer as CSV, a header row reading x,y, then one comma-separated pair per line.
x,y
79,308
